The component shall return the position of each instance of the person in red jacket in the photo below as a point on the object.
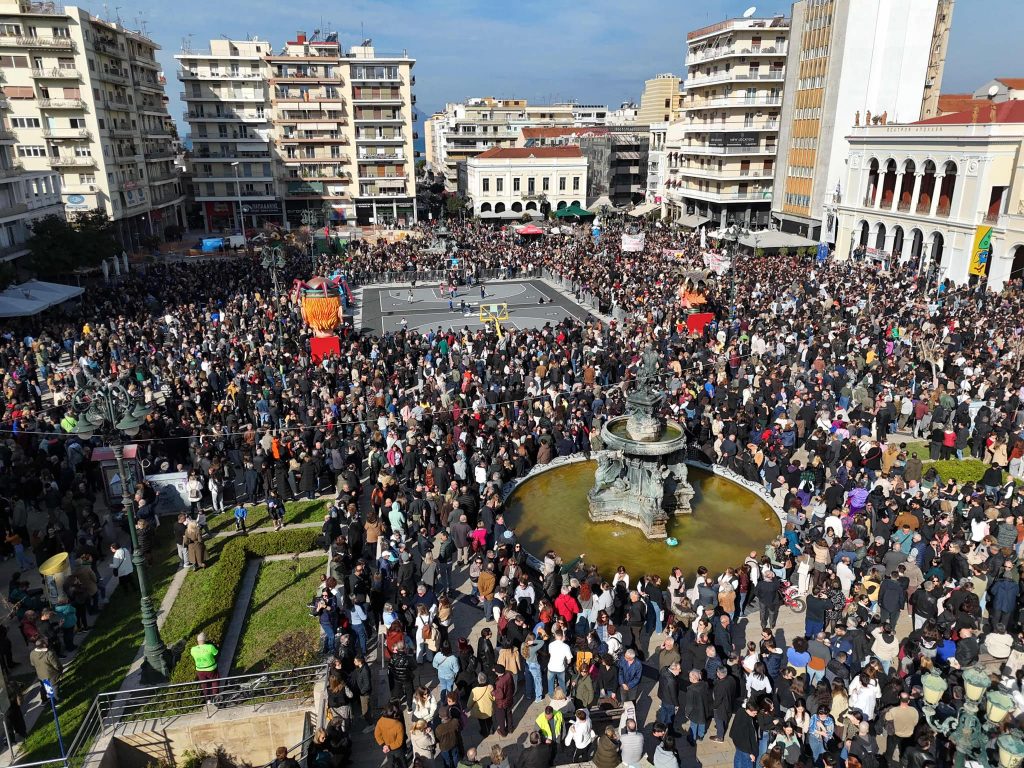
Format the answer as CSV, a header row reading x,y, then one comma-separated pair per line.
x,y
504,693
568,607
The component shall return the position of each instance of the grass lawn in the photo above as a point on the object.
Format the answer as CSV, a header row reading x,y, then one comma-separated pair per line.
x,y
294,512
283,589
105,655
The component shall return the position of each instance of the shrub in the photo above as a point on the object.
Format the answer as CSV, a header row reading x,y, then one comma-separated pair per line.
x,y
961,470
295,649
207,603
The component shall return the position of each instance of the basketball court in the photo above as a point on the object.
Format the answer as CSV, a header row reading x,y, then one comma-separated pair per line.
x,y
425,308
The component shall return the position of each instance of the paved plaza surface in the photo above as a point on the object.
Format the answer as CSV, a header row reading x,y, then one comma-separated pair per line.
x,y
424,307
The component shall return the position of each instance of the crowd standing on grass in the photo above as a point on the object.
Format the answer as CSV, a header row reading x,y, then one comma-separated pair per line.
x,y
834,386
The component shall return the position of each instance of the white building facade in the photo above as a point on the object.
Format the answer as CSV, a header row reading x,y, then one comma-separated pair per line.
x,y
917,193
506,183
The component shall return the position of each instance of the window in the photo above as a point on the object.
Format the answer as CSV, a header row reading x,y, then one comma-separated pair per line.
x,y
561,184
487,185
82,151
531,186
62,32
575,183
31,150
499,184
10,30
24,122
15,62
515,184
545,184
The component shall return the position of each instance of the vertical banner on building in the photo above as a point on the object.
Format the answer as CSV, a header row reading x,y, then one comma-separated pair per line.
x,y
980,251
633,243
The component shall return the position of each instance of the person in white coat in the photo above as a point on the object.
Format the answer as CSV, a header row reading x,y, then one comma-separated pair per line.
x,y
580,736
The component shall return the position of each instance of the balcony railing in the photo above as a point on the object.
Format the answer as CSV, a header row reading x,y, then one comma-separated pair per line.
x,y
69,134
725,77
14,169
30,41
13,210
57,73
159,154
6,135
72,162
62,103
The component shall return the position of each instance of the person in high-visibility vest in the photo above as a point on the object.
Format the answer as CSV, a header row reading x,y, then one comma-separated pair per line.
x,y
204,655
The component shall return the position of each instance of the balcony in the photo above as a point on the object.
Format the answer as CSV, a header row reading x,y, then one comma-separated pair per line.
x,y
8,252
186,74
697,149
734,101
222,97
122,132
13,210
230,117
156,132
371,192
942,210
318,139
57,73
387,157
382,117
31,41
61,104
163,178
714,173
300,77
7,137
13,170
725,197
761,125
388,178
375,139
66,134
728,77
159,154
118,78
721,53
69,161
146,85
317,159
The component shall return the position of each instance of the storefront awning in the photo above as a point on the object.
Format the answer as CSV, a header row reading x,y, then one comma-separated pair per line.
x,y
643,209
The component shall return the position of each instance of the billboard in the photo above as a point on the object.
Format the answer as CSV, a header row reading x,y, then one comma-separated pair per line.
x,y
262,207
747,139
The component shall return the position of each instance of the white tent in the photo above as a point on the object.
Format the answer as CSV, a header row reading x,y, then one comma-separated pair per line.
x,y
35,296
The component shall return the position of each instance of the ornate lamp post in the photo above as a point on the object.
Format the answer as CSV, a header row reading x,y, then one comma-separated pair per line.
x,y
273,260
734,233
109,410
969,733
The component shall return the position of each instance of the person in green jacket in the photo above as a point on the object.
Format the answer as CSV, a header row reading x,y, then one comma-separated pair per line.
x,y
204,655
551,725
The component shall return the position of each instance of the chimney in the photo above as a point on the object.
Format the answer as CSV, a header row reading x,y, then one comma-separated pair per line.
x,y
300,37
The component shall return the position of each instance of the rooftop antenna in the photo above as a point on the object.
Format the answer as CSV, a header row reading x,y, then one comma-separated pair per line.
x,y
750,12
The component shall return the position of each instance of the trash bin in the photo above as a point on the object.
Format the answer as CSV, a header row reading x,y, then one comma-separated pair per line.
x,y
54,571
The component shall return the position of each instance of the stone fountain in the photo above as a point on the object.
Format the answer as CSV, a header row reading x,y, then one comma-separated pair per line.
x,y
641,478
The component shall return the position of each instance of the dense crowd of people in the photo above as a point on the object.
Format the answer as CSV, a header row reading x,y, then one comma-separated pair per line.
x,y
834,386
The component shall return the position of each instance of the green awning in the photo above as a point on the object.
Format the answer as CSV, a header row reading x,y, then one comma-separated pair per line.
x,y
572,210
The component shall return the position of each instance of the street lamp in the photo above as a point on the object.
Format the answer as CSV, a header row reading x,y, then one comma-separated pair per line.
x,y
109,410
241,216
273,260
969,733
734,233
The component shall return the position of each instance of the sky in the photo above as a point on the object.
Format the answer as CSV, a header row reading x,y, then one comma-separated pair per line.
x,y
594,51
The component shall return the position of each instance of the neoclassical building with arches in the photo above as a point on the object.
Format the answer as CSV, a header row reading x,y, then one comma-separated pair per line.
x,y
917,192
506,183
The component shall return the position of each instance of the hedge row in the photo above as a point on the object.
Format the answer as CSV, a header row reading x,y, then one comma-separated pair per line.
x,y
961,470
207,598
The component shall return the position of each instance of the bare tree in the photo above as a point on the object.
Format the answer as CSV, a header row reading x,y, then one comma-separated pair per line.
x,y
1016,345
929,350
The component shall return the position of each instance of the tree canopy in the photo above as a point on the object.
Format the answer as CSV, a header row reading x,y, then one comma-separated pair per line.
x,y
58,246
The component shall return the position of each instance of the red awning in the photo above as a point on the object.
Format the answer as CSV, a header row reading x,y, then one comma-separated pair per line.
x,y
529,229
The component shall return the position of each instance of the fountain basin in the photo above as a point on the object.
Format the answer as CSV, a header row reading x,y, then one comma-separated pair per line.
x,y
616,437
550,510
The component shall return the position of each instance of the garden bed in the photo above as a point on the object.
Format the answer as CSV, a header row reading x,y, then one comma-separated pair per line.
x,y
295,512
278,611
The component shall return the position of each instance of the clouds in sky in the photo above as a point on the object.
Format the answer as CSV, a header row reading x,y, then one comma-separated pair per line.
x,y
599,51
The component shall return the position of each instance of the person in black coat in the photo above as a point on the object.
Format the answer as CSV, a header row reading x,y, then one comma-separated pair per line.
x,y
744,736
698,706
668,693
725,693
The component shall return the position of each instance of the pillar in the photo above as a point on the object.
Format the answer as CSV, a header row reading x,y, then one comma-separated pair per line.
x,y
915,195
878,189
936,194
897,191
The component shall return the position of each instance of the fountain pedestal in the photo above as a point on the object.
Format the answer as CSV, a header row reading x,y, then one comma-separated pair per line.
x,y
641,479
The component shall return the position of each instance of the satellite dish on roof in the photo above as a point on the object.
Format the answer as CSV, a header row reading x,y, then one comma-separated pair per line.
x,y
750,12
993,90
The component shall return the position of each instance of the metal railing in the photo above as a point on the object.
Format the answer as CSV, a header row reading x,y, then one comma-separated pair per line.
x,y
434,275
110,711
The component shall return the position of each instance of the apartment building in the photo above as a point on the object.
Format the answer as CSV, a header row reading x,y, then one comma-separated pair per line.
x,y
312,129
849,61
228,108
661,100
464,130
617,164
720,155
85,101
919,193
24,197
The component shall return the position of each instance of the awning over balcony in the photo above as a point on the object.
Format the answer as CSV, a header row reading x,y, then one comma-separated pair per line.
x,y
691,220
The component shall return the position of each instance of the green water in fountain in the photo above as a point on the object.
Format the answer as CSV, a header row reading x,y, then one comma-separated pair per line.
x,y
550,511
669,432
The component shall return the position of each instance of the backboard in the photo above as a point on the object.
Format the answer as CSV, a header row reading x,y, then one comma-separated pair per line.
x,y
492,312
